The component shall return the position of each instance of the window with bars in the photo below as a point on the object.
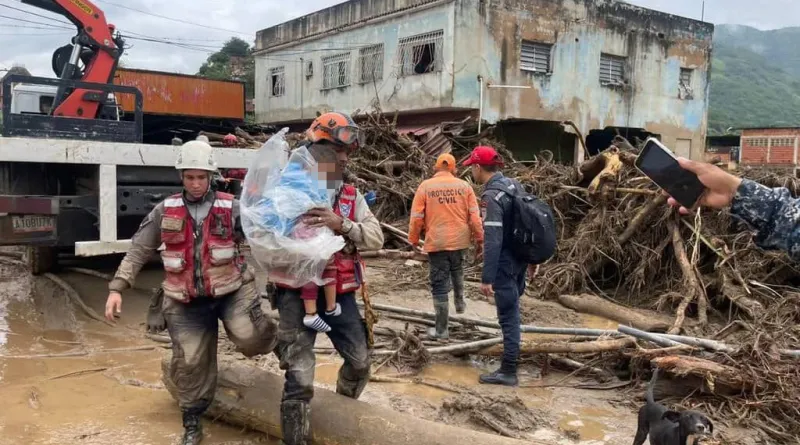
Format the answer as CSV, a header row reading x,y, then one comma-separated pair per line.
x,y
685,84
612,69
421,54
782,142
535,57
336,71
756,142
686,77
277,77
370,63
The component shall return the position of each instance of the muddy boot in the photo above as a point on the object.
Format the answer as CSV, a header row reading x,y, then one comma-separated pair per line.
x,y
155,316
296,423
500,377
458,292
461,305
440,332
193,429
351,383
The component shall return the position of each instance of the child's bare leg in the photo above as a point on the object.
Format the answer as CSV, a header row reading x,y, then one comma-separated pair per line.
x,y
312,320
310,306
332,308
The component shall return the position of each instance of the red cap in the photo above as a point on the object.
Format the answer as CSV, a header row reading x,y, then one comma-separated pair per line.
x,y
485,156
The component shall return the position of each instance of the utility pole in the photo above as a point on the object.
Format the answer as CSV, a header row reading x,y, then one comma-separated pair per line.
x,y
703,12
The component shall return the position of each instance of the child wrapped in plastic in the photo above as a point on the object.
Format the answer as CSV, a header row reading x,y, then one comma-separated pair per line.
x,y
273,204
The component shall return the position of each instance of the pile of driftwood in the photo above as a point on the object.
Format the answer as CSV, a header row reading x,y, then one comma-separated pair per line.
x,y
621,250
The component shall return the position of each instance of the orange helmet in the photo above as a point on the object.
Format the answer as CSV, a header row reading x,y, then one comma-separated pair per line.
x,y
337,128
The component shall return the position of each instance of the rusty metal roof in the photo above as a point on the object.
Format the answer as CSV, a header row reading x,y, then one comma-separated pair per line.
x,y
430,138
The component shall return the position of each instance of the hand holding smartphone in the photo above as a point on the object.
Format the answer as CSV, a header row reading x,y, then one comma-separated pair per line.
x,y
659,164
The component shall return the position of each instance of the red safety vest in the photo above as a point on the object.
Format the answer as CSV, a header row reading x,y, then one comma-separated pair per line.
x,y
221,265
349,267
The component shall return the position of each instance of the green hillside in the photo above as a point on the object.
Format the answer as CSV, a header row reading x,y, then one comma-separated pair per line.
x,y
755,78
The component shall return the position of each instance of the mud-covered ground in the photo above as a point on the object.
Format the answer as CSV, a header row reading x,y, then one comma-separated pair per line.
x,y
97,396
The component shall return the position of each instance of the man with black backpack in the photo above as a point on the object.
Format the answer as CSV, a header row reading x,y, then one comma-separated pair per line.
x,y
519,230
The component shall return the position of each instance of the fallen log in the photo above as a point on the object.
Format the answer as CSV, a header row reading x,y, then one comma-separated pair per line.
x,y
594,305
399,233
395,255
713,373
250,397
587,332
533,347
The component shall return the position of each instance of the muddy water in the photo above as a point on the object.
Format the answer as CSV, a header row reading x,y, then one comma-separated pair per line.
x,y
96,398
117,398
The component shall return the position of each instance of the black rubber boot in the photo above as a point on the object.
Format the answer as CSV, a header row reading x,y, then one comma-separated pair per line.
x,y
193,428
296,423
440,332
351,387
461,305
500,377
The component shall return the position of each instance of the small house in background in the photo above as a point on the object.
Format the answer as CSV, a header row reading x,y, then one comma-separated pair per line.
x,y
773,147
723,149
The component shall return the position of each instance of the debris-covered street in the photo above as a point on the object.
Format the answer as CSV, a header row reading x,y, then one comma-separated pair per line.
x,y
624,263
413,222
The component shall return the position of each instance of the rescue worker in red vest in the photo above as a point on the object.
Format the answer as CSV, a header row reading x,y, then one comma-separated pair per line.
x,y
352,219
206,279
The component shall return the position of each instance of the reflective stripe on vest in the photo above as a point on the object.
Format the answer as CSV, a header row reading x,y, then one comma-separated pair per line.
x,y
220,262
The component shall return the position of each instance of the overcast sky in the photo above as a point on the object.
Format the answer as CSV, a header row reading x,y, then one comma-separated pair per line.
x,y
32,44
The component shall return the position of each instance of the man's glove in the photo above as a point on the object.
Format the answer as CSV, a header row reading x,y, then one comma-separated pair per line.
x,y
155,317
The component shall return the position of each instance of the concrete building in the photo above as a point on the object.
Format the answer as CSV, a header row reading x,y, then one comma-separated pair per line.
x,y
774,147
605,65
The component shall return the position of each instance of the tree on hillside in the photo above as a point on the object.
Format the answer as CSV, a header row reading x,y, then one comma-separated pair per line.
x,y
233,62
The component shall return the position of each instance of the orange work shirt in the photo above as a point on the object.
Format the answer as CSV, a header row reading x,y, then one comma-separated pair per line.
x,y
446,209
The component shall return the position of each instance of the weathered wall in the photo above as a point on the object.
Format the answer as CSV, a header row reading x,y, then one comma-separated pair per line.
x,y
483,38
336,18
657,45
394,92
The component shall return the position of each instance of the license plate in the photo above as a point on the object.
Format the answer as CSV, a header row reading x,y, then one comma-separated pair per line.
x,y
33,223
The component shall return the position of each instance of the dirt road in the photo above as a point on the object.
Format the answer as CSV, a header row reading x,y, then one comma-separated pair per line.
x,y
96,396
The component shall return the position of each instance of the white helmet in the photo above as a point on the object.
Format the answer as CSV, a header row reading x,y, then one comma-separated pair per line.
x,y
196,155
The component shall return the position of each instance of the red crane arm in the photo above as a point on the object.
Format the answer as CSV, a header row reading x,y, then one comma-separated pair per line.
x,y
94,33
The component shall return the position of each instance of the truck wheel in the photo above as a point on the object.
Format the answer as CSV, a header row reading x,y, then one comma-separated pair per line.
x,y
41,259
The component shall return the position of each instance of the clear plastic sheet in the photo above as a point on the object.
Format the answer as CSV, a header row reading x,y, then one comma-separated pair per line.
x,y
277,192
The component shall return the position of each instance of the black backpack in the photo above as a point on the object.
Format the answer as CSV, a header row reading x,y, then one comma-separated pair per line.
x,y
534,227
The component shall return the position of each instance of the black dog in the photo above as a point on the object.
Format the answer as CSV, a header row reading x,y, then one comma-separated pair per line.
x,y
669,427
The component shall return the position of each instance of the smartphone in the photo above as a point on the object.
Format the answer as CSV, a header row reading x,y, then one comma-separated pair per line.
x,y
658,163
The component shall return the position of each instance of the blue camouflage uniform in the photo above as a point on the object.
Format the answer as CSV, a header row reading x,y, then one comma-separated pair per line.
x,y
773,213
500,268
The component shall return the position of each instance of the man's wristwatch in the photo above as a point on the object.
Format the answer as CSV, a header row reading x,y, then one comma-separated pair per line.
x,y
347,226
